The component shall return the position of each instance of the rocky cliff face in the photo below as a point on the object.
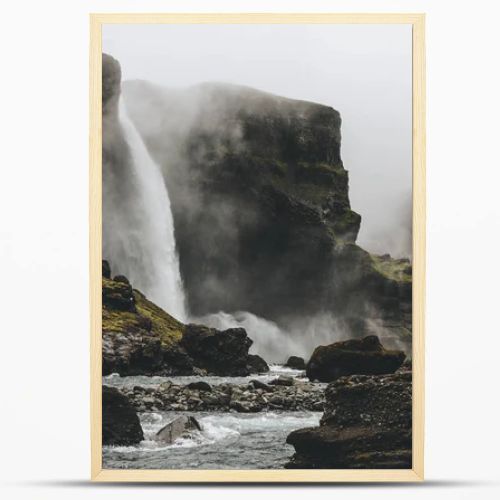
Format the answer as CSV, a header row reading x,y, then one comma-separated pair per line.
x,y
261,208
366,425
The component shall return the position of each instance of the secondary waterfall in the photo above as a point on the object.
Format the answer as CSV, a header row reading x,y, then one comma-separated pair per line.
x,y
138,228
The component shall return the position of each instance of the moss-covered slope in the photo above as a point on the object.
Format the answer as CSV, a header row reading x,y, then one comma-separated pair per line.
x,y
140,338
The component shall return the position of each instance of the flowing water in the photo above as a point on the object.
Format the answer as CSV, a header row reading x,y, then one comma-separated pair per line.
x,y
116,380
226,441
138,229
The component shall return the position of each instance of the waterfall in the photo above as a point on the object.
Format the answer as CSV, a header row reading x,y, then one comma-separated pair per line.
x,y
138,228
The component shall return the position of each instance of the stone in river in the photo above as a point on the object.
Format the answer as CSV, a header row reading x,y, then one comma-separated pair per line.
x,y
200,386
282,380
120,423
365,356
179,427
258,384
256,364
296,362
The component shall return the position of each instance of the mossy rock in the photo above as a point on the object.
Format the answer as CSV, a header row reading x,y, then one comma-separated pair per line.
x,y
399,270
163,324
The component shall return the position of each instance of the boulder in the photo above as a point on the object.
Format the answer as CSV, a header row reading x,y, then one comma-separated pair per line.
x,y
122,279
367,424
256,364
117,295
200,386
364,356
120,423
177,428
258,384
221,352
282,380
296,362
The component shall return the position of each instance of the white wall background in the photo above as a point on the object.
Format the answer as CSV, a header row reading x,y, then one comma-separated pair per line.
x,y
44,257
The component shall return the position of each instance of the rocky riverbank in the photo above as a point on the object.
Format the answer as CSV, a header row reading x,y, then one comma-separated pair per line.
x,y
140,338
367,424
282,394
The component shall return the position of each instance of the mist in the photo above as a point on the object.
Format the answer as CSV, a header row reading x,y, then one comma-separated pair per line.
x,y
187,104
342,66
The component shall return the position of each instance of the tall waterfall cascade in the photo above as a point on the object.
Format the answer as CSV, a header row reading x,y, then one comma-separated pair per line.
x,y
138,227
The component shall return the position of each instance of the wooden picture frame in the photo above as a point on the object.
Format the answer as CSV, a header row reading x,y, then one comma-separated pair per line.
x,y
302,476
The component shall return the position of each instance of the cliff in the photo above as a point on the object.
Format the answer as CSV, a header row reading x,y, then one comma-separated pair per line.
x,y
261,208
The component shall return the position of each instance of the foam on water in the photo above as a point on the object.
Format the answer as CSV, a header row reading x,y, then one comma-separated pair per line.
x,y
116,380
226,441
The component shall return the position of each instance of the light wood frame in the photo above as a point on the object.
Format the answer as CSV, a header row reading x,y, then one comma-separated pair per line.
x,y
240,476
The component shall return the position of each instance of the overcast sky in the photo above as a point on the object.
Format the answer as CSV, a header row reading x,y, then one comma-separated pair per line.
x,y
363,71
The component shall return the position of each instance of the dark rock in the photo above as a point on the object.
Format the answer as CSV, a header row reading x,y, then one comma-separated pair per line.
x,y
296,362
245,407
367,424
258,384
220,352
176,361
253,397
256,364
364,356
106,269
282,380
405,367
122,279
200,386
117,295
111,79
120,423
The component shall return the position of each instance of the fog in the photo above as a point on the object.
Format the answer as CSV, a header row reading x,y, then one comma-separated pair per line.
x,y
362,71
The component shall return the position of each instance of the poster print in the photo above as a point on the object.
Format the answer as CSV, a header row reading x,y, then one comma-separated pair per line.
x,y
257,248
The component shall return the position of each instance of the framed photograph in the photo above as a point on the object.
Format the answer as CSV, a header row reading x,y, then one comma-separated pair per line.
x,y
257,247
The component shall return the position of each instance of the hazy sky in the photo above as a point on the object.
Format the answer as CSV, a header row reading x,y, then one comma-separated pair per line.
x,y
363,71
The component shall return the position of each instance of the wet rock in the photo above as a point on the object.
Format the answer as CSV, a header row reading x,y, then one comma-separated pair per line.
x,y
200,386
258,384
256,364
120,423
255,396
179,427
366,424
220,352
364,356
296,362
282,380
